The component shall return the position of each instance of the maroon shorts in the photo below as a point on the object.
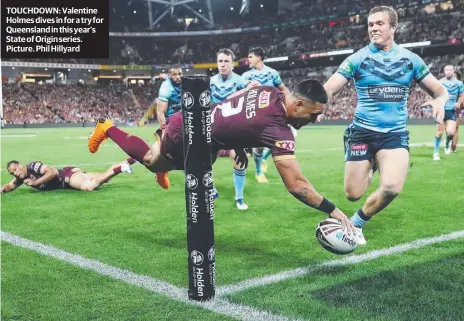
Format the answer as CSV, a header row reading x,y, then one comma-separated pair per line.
x,y
65,175
172,142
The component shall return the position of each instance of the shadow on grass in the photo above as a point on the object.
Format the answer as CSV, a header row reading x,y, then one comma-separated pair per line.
x,y
430,291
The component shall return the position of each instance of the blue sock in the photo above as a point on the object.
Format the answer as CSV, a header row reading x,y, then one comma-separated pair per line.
x,y
267,153
436,144
258,161
239,183
359,218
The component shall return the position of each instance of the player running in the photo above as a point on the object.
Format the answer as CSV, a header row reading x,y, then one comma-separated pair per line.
x,y
382,72
46,178
223,85
455,89
254,117
266,76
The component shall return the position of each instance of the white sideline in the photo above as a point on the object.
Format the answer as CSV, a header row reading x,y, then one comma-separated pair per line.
x,y
218,305
352,259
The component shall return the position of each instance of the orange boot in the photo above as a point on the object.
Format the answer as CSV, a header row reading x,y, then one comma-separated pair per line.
x,y
98,135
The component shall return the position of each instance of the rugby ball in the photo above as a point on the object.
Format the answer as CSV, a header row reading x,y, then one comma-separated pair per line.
x,y
330,235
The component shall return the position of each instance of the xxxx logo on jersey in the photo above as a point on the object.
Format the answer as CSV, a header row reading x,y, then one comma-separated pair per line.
x,y
264,99
286,144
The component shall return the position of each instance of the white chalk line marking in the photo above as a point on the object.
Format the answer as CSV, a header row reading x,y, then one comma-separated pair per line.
x,y
352,259
18,135
218,305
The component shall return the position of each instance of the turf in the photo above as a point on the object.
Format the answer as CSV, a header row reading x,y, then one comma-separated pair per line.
x,y
133,224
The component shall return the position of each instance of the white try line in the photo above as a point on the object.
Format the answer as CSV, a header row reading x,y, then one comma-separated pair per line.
x,y
218,305
352,259
17,135
80,165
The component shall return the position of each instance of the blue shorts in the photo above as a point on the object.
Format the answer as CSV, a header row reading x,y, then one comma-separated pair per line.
x,y
450,115
362,144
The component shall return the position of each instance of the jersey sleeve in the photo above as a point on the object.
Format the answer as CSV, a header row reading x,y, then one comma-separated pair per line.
x,y
348,67
276,78
242,82
280,140
35,167
420,69
460,89
164,92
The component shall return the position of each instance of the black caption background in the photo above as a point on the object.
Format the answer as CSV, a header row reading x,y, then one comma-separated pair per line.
x,y
93,45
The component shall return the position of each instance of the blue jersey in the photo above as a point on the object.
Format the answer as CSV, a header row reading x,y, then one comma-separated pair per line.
x,y
382,80
222,88
455,89
170,93
266,76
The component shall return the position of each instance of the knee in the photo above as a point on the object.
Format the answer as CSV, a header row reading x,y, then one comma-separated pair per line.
x,y
390,191
353,194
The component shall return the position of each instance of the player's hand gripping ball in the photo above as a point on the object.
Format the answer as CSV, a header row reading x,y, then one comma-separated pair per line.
x,y
333,238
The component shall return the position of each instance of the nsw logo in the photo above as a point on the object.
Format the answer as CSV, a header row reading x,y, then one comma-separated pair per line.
x,y
208,179
187,100
205,99
196,257
192,181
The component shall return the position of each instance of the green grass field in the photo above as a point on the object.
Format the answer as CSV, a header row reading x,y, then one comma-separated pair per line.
x,y
132,224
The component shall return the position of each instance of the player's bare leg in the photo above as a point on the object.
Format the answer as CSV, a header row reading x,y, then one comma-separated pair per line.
x,y
358,176
393,165
123,167
258,157
89,182
437,141
239,183
450,132
454,144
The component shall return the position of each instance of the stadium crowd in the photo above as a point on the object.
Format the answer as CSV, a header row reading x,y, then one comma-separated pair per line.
x,y
77,103
416,24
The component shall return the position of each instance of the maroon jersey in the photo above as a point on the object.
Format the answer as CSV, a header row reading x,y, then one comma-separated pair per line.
x,y
33,173
256,118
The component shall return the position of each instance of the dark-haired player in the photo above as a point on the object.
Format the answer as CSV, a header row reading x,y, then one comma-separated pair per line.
x,y
253,117
266,76
46,178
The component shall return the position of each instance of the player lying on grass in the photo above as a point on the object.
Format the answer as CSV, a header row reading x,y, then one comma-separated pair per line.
x,y
254,117
46,178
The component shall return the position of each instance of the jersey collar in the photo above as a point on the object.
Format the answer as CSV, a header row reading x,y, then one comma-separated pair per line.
x,y
228,77
374,49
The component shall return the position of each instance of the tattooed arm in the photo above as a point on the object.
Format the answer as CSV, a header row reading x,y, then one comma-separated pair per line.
x,y
302,189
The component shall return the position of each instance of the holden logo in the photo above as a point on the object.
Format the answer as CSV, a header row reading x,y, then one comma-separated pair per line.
x,y
208,179
192,182
187,100
205,99
211,254
196,257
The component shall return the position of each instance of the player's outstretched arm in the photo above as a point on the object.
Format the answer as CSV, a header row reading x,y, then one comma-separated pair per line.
x,y
283,88
301,188
161,109
11,186
334,84
48,172
434,88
